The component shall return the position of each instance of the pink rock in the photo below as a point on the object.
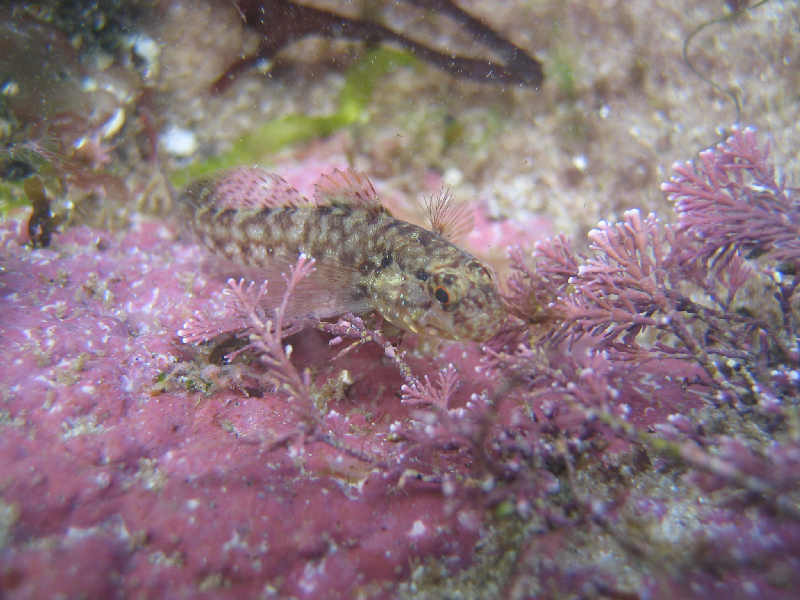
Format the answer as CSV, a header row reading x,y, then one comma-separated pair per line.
x,y
113,488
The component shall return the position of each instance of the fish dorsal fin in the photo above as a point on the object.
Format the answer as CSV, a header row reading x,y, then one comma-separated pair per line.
x,y
448,218
252,187
346,187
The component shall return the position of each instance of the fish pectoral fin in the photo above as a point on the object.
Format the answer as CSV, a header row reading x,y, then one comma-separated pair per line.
x,y
329,291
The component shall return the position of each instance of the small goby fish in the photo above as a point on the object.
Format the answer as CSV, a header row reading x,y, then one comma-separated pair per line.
x,y
366,260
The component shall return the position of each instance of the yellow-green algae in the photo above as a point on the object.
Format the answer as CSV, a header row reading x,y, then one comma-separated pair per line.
x,y
273,135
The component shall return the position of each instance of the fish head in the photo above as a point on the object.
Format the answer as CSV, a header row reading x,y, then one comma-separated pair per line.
x,y
451,299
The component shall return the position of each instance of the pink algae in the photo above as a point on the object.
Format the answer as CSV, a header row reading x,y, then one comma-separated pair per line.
x,y
642,444
114,481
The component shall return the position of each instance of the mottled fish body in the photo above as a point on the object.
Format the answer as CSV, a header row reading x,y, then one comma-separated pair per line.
x,y
365,258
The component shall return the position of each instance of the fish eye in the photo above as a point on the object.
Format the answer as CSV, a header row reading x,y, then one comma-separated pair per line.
x,y
441,295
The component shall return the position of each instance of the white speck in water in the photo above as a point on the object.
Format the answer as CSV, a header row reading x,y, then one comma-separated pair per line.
x,y
417,529
179,141
453,176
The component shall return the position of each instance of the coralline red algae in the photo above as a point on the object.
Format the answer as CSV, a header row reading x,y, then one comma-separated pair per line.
x,y
110,487
632,435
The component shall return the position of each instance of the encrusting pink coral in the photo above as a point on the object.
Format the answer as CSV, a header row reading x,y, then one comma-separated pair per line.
x,y
148,477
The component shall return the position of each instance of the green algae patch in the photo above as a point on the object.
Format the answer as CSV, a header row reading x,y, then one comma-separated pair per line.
x,y
11,198
354,98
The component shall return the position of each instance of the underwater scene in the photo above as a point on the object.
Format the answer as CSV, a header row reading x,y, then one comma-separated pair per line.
x,y
434,299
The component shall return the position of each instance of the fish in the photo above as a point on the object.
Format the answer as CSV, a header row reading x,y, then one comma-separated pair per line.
x,y
366,260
